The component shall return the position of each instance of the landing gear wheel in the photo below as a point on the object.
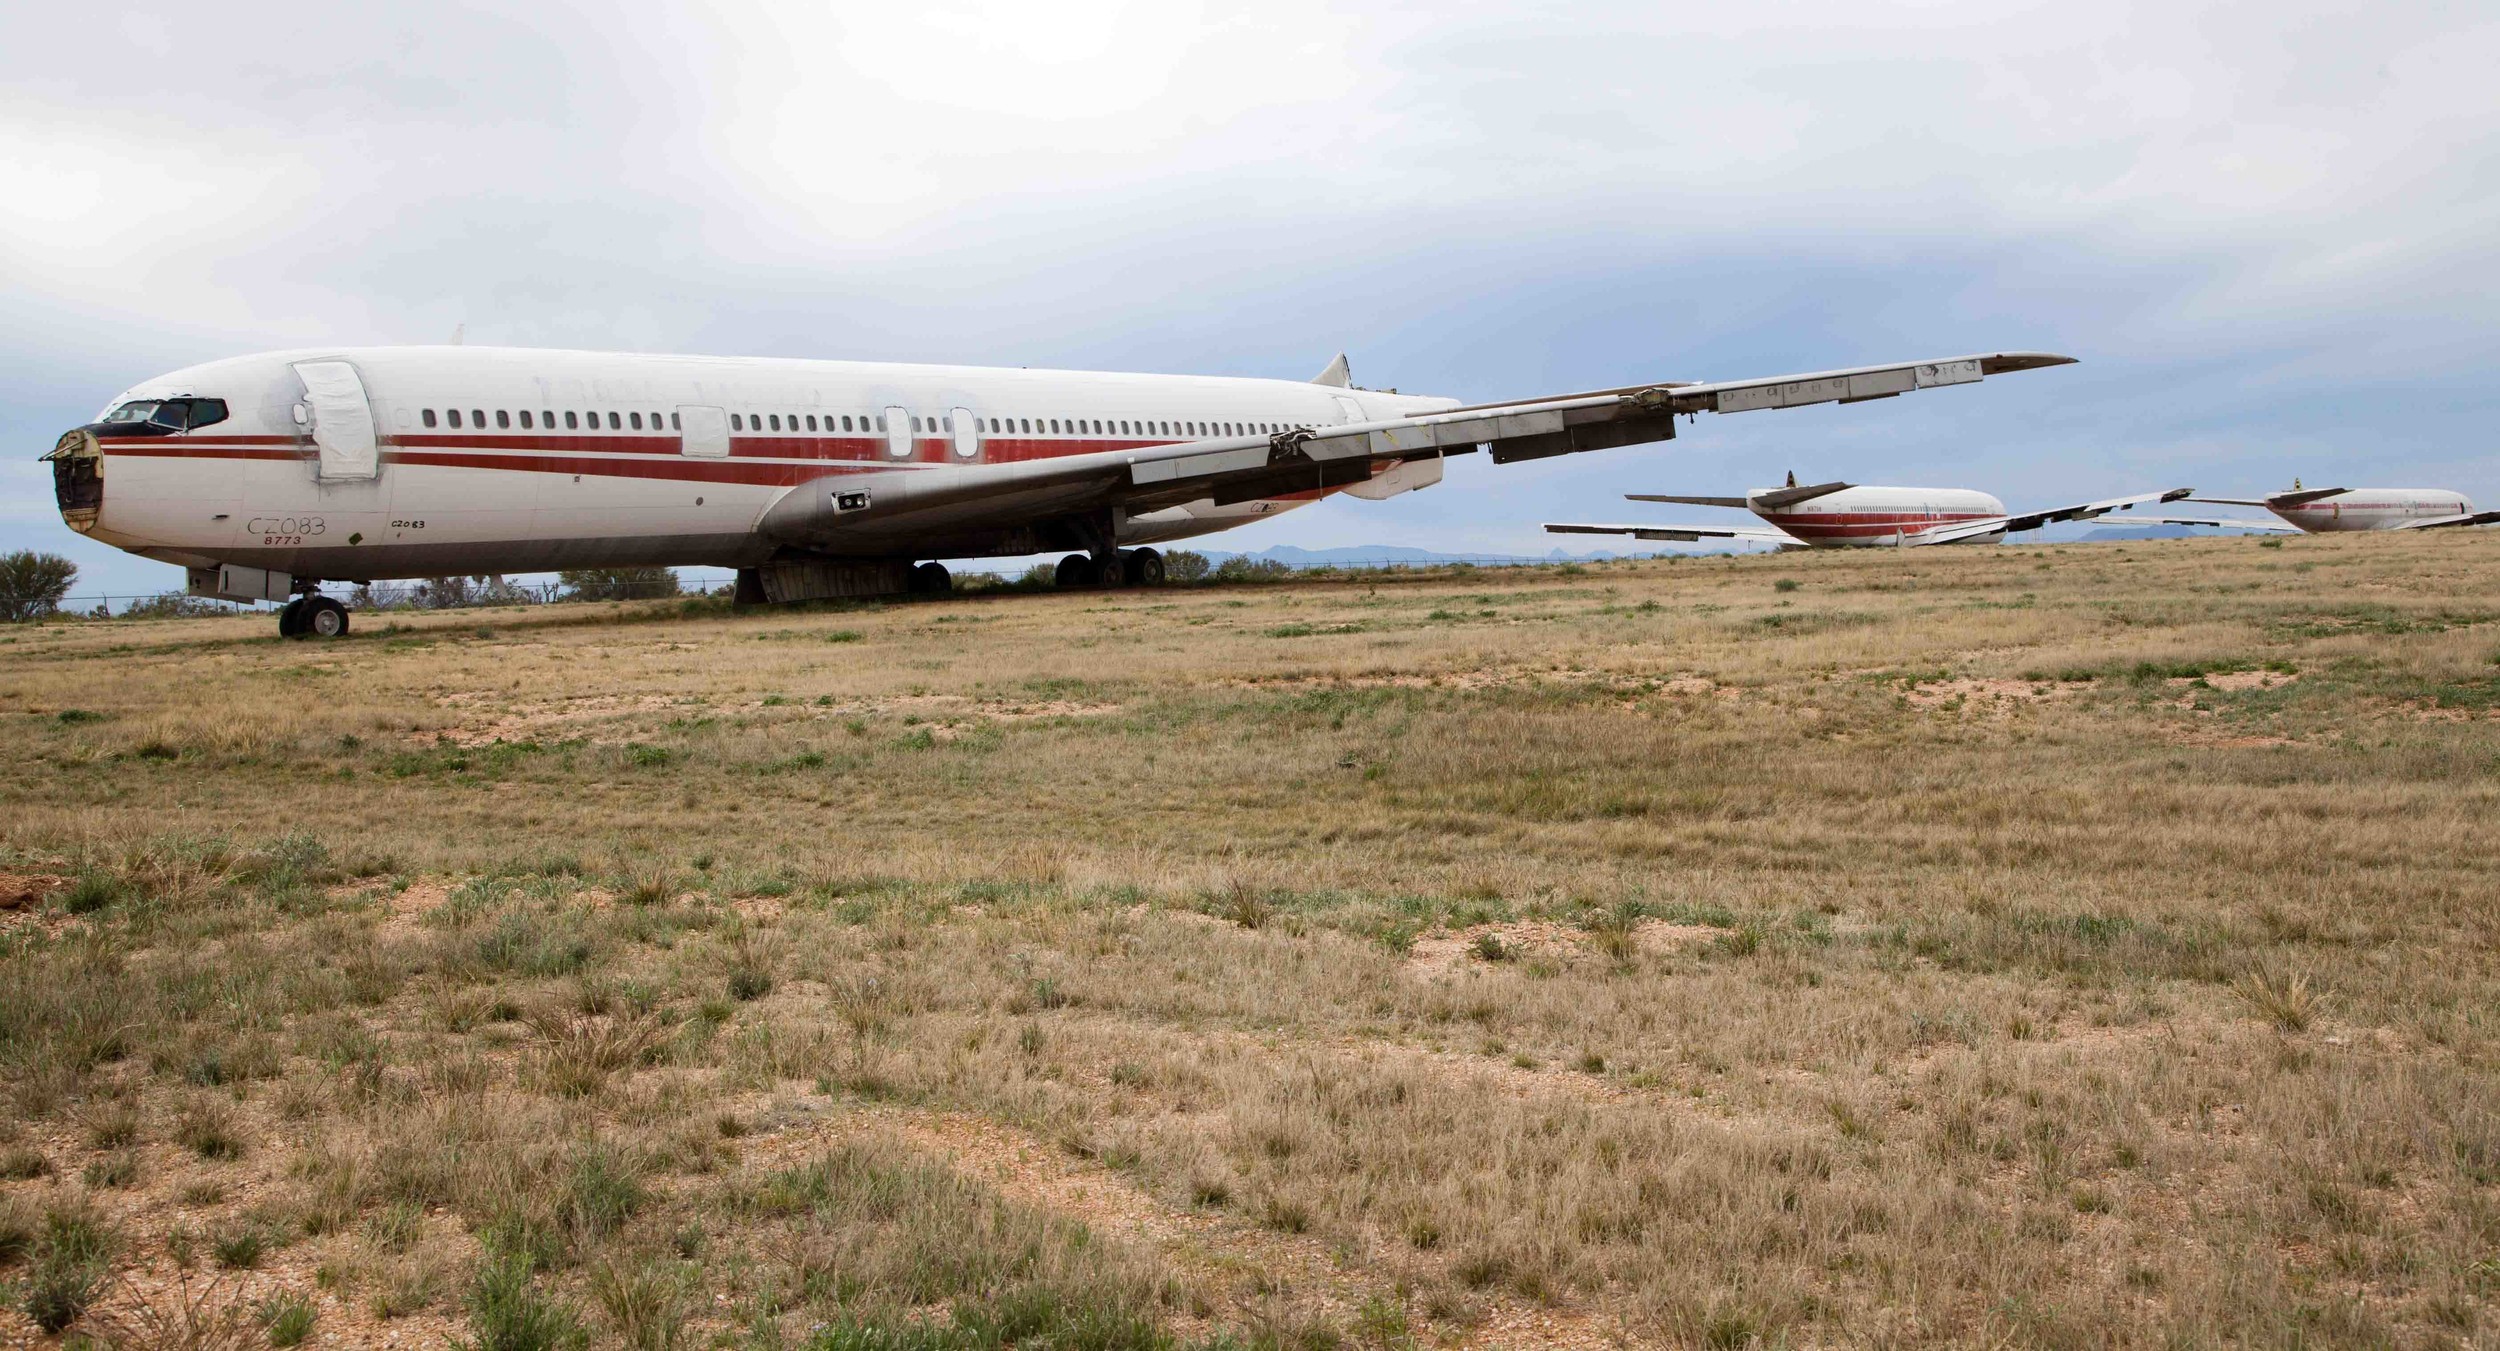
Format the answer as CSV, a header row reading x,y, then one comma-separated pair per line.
x,y
291,619
1077,571
931,579
1111,567
1142,567
322,618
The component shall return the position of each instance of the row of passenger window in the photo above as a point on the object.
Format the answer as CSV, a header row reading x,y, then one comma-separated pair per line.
x,y
573,421
810,422
757,422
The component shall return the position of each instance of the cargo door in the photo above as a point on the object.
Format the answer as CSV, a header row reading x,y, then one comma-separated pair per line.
x,y
702,431
967,429
898,433
341,421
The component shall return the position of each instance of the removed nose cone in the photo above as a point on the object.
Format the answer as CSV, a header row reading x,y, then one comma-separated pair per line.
x,y
78,478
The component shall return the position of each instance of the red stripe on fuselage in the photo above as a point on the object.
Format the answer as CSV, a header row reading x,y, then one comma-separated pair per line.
x,y
1859,524
772,461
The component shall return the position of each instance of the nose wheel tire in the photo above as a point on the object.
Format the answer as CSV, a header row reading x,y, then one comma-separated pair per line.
x,y
324,618
931,579
312,617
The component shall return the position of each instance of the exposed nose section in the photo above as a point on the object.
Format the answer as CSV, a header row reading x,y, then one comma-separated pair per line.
x,y
77,461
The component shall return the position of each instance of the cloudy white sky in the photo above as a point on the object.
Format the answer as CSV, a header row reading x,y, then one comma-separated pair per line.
x,y
2271,230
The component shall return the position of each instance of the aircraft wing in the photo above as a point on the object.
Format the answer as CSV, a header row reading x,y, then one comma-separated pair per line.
x,y
2217,522
2033,520
2463,518
1682,534
1248,468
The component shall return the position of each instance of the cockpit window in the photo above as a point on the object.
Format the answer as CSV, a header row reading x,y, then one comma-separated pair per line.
x,y
168,414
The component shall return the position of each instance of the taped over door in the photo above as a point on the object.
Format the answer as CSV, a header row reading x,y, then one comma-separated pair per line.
x,y
342,421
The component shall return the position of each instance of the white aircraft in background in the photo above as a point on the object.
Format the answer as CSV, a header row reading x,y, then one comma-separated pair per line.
x,y
1847,515
269,475
2322,510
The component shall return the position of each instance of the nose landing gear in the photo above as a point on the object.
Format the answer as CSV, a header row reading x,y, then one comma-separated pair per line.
x,y
312,616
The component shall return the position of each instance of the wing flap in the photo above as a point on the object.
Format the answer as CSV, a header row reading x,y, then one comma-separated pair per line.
x,y
1680,534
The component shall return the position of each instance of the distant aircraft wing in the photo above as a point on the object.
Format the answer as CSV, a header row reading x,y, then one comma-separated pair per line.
x,y
2436,522
1248,468
2033,520
1682,534
2291,499
2217,522
1770,498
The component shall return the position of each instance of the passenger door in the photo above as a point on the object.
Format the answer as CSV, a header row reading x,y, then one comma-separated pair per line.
x,y
898,433
702,431
341,421
967,429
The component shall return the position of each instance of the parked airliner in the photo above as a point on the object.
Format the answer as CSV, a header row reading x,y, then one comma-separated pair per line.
x,y
2325,510
1848,515
267,476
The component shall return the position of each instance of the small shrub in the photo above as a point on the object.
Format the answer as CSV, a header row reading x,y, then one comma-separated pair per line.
x,y
117,1169
23,1163
207,1128
1246,906
1489,947
578,1054
508,1313
94,890
238,1246
1784,584
1742,941
1615,932
72,1257
287,1317
645,1304
2286,1001
601,1195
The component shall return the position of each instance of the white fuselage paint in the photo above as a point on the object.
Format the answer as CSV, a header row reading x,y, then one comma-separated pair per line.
x,y
611,482
1868,515
2374,509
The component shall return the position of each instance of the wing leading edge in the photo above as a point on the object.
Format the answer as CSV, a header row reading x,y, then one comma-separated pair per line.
x,y
2033,520
1247,468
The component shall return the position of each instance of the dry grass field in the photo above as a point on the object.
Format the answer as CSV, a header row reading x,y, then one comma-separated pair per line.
x,y
2094,945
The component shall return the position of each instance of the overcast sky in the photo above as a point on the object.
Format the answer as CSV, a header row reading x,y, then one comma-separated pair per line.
x,y
2271,231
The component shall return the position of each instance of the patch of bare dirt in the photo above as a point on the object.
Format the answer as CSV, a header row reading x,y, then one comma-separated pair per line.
x,y
585,718
530,722
1989,695
26,891
2251,680
1446,953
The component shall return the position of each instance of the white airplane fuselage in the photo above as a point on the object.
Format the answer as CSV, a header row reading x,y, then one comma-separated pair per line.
x,y
492,460
1868,516
2373,509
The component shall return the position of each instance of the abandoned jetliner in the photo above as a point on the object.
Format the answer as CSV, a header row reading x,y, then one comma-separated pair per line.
x,y
270,475
2326,510
1848,515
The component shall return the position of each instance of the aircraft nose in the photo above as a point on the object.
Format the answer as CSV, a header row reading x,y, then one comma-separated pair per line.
x,y
77,461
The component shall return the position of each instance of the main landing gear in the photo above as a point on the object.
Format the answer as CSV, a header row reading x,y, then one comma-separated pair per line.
x,y
312,616
1120,567
930,579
